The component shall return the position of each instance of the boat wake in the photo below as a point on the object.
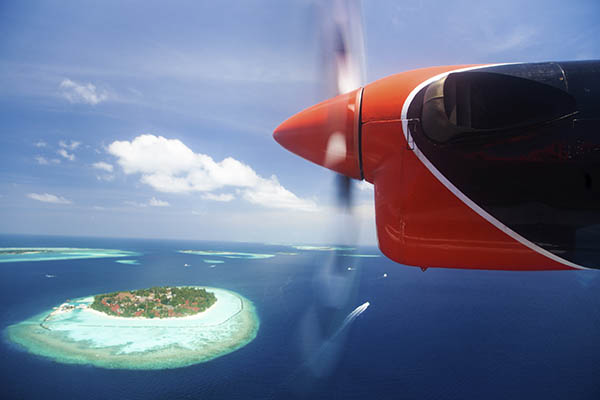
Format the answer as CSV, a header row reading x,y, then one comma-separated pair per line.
x,y
351,317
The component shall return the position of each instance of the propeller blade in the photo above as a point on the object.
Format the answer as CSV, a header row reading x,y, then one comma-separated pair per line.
x,y
327,134
343,57
343,53
344,192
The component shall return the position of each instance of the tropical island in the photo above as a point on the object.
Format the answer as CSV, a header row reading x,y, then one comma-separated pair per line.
x,y
12,252
74,332
18,254
228,254
155,302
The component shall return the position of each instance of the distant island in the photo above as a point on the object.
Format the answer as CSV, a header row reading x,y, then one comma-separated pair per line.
x,y
155,302
22,251
228,254
19,254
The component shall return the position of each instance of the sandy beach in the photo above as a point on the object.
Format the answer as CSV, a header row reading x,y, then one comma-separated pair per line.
x,y
86,336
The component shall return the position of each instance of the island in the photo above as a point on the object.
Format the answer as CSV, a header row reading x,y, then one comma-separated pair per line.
x,y
155,302
228,254
323,248
20,254
12,252
154,328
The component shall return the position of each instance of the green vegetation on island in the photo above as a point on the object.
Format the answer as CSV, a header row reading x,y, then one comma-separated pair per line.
x,y
155,302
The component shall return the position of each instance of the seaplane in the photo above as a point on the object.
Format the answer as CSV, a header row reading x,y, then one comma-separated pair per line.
x,y
478,166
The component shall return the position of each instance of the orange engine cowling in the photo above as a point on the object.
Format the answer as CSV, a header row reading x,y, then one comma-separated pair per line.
x,y
423,218
327,134
420,221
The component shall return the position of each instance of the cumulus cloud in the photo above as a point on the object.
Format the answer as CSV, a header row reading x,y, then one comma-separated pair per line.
x,y
82,93
44,161
103,166
270,193
170,166
107,177
154,202
40,143
49,198
134,203
71,146
224,197
67,155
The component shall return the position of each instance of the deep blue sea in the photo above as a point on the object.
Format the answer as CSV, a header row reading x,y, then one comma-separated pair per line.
x,y
438,334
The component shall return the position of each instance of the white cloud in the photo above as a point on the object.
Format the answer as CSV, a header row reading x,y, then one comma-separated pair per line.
x,y
40,143
103,166
270,192
71,146
135,204
154,202
65,154
82,93
170,166
49,198
43,161
224,197
107,177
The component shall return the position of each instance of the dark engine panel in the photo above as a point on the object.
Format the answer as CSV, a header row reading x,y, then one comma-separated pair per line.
x,y
523,142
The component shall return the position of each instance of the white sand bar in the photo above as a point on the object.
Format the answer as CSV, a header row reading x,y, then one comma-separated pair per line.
x,y
18,254
86,336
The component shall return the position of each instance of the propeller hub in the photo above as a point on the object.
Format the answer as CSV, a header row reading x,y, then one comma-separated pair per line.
x,y
327,134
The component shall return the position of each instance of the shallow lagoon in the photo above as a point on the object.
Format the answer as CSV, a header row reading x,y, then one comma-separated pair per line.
x,y
322,248
85,336
15,254
478,333
228,254
128,262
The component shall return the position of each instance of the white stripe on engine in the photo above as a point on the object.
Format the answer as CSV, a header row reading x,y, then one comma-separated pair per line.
x,y
488,217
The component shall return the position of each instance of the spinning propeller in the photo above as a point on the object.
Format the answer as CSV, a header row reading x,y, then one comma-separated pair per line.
x,y
328,134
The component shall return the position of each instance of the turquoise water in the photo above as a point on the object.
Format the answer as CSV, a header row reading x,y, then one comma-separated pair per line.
x,y
338,249
323,248
129,262
439,334
85,336
228,254
58,253
213,261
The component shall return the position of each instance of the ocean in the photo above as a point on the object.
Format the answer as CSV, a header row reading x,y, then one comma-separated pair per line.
x,y
438,334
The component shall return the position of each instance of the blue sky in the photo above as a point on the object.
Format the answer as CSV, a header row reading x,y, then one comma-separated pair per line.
x,y
142,119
